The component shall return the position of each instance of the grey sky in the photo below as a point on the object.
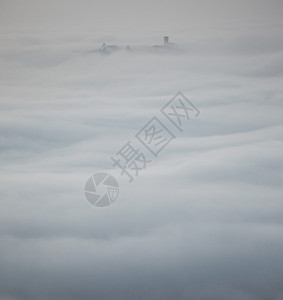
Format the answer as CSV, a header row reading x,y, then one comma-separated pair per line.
x,y
135,15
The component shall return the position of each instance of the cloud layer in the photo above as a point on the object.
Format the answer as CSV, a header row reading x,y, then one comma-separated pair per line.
x,y
203,221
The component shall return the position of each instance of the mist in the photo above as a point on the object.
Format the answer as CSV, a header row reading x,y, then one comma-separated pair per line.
x,y
204,219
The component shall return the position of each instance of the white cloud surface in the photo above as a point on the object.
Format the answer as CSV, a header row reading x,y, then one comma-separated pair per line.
x,y
204,220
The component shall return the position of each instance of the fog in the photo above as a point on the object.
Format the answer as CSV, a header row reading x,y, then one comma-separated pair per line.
x,y
204,219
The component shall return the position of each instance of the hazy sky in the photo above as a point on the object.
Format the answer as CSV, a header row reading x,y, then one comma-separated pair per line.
x,y
136,16
204,221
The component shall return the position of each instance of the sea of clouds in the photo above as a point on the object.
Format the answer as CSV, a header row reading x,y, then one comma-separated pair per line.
x,y
203,221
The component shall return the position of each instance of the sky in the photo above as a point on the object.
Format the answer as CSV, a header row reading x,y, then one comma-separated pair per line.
x,y
204,220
